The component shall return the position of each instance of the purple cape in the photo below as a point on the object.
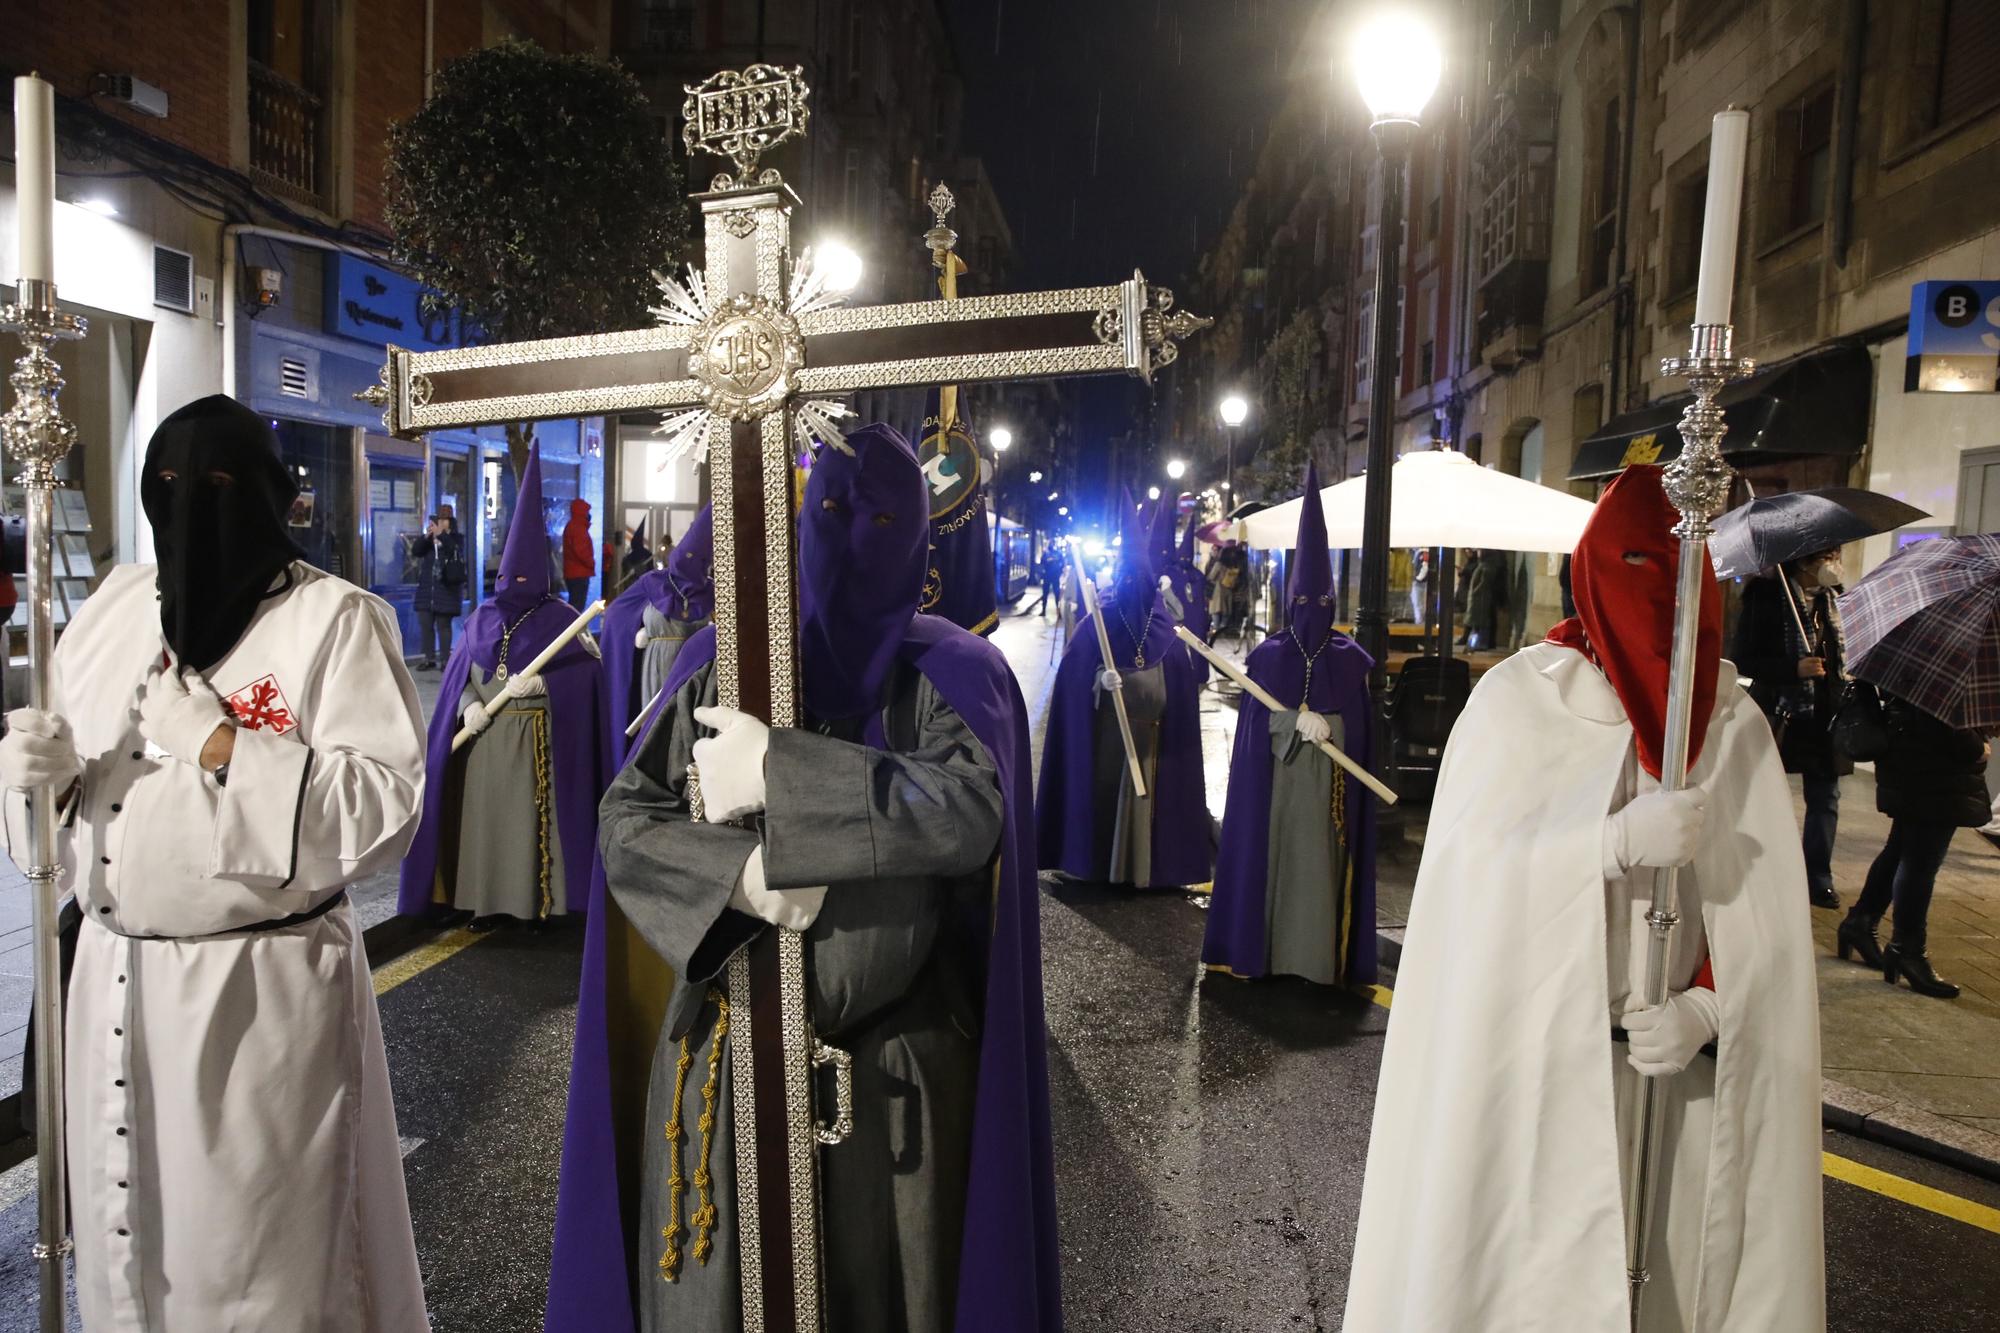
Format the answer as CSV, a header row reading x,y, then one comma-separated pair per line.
x,y
683,590
1009,1270
579,742
579,717
1075,834
1235,936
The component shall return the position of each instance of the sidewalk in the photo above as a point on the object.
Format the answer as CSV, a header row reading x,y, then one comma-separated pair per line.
x,y
1921,1072
374,901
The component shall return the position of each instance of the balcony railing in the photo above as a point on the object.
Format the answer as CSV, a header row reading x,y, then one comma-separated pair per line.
x,y
287,136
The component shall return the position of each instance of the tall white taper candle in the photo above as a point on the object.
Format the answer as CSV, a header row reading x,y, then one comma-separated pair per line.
x,y
1728,150
35,178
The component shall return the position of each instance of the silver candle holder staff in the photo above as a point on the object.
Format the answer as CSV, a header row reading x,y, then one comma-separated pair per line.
x,y
1697,483
38,437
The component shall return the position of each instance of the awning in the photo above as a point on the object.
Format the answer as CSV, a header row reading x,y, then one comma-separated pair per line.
x,y
1812,404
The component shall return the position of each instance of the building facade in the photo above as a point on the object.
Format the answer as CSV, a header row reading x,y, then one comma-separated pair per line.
x,y
1554,209
219,221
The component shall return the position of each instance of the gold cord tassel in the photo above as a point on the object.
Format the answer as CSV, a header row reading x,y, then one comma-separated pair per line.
x,y
543,785
704,1216
670,1259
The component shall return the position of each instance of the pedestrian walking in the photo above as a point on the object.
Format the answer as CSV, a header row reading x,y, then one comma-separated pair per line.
x,y
1482,592
1790,644
1931,782
1228,576
1050,573
579,560
440,555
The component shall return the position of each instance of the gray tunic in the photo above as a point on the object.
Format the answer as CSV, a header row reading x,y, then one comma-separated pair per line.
x,y
1308,900
509,851
904,838
664,637
1132,825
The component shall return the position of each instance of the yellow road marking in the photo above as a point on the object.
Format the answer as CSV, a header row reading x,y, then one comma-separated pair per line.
x,y
1911,1193
1864,1177
401,968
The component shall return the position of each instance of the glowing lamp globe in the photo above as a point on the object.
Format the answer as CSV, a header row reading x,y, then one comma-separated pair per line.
x,y
1234,410
1001,438
1397,62
1177,469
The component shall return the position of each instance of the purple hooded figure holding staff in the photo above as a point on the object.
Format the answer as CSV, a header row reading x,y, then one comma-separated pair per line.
x,y
510,820
1295,876
1094,825
892,828
650,622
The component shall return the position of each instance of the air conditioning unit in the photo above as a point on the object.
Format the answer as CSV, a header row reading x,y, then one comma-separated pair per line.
x,y
173,279
135,93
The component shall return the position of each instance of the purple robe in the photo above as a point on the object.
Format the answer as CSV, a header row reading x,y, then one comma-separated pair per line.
x,y
579,713
1009,1271
1235,937
1075,834
684,589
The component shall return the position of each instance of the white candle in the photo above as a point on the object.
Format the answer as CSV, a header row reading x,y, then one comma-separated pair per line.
x,y
35,177
1728,150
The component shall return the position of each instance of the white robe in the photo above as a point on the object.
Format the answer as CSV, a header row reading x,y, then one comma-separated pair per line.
x,y
232,1141
1493,1197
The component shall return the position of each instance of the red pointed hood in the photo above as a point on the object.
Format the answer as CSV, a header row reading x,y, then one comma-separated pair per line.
x,y
1622,576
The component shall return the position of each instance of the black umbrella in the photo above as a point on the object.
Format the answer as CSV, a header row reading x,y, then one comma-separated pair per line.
x,y
1776,529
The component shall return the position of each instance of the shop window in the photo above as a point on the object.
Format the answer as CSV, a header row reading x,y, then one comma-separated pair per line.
x,y
1804,147
322,518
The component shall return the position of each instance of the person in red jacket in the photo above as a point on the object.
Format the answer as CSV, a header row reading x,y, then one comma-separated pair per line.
x,y
579,557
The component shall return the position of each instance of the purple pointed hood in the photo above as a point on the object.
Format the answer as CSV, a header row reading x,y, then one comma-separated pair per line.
x,y
1138,576
863,531
524,563
691,571
1165,512
1309,589
1188,553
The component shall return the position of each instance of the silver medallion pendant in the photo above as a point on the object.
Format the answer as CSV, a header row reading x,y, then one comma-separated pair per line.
x,y
500,672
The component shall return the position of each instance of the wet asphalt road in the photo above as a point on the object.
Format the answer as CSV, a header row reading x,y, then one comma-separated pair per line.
x,y
1210,1137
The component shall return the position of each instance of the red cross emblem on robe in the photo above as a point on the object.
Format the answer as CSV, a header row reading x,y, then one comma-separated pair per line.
x,y
262,706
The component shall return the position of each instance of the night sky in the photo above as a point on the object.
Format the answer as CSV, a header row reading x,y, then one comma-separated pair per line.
x,y
1120,132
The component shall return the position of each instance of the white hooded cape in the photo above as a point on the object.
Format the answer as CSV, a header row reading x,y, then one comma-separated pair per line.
x,y
1493,1198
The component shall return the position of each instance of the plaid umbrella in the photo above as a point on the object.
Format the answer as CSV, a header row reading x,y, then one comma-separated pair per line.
x,y
1925,625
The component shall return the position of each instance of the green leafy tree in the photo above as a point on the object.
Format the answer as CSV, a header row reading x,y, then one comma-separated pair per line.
x,y
1295,405
536,193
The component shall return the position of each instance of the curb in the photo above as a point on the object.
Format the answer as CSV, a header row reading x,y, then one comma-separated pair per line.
x,y
1865,1115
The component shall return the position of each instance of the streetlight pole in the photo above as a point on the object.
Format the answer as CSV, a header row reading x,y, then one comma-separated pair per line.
x,y
1234,410
1397,64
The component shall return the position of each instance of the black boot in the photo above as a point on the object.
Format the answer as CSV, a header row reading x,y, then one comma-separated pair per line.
x,y
1822,895
1913,965
1857,936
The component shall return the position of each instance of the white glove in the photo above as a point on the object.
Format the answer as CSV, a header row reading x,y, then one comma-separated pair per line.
x,y
475,718
794,909
179,712
1313,728
639,639
731,764
1656,828
1665,1038
38,751
528,687
1109,680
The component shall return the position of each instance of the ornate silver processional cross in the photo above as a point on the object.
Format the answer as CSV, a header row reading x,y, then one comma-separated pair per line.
x,y
738,365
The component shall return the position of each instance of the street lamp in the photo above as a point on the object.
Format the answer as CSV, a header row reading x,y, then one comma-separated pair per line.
x,y
840,264
1001,438
1152,492
1235,409
1396,61
1177,469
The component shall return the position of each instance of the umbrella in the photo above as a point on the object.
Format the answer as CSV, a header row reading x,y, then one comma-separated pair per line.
x,y
1925,625
1439,497
1773,530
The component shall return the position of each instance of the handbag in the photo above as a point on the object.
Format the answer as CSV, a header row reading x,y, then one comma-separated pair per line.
x,y
1860,722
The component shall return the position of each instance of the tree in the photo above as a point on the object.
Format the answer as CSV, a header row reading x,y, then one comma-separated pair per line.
x,y
536,193
1294,394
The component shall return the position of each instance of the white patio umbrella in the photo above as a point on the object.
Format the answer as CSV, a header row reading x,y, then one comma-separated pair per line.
x,y
1439,498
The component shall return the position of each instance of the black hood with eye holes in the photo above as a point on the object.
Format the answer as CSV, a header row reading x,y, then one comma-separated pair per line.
x,y
219,527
